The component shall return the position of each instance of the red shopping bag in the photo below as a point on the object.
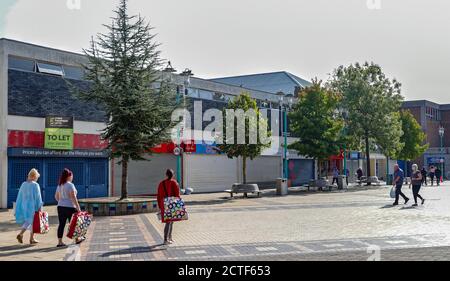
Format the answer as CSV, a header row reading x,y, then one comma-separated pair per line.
x,y
40,223
79,225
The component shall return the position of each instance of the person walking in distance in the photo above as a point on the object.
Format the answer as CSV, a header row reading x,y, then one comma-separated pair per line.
x,y
424,176
335,175
416,181
432,174
438,174
399,178
167,188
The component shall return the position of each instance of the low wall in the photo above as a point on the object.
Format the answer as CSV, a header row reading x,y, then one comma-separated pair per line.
x,y
112,206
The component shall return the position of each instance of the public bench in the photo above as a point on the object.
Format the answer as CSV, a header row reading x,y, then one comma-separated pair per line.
x,y
244,189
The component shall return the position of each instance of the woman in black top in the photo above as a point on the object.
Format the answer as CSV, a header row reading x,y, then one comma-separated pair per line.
x,y
416,184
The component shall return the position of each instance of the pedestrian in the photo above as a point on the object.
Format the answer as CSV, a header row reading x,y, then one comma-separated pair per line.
x,y
66,196
432,173
416,181
424,176
347,175
438,174
399,178
335,175
167,188
29,201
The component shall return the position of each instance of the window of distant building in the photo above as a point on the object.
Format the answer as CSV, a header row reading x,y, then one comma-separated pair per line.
x,y
48,68
21,64
73,72
433,113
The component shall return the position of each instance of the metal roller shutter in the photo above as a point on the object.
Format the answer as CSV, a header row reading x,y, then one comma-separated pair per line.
x,y
210,173
264,170
144,176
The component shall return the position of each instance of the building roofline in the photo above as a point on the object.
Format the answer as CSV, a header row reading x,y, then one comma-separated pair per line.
x,y
40,46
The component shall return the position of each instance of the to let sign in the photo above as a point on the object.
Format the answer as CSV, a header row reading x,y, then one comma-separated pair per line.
x,y
59,133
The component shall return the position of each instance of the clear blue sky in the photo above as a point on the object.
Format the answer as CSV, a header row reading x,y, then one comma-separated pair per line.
x,y
408,38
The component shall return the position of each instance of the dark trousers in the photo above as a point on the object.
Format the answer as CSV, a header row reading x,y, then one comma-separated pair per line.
x,y
432,178
334,180
438,179
415,190
64,215
168,231
398,193
424,179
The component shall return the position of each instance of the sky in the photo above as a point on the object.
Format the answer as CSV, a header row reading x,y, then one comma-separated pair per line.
x,y
410,39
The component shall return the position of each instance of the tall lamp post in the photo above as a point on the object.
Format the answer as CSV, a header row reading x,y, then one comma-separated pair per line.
x,y
441,134
283,109
187,74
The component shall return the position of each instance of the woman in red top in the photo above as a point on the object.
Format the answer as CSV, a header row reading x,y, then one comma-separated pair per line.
x,y
167,188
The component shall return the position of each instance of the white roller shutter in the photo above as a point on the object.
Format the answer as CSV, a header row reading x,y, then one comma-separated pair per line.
x,y
144,176
264,169
210,173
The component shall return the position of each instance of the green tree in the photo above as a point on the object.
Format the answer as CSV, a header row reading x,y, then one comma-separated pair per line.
x,y
368,97
122,66
316,123
414,139
246,139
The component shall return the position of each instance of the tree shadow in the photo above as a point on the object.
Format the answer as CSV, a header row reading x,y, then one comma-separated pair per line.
x,y
25,249
136,250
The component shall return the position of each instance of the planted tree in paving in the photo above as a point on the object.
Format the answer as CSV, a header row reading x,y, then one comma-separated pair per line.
x,y
317,124
245,132
123,65
368,97
413,138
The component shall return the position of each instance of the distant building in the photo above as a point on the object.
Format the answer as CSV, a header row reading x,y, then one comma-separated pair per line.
x,y
432,116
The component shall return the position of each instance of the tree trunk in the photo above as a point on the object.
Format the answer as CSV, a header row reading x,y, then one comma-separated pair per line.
x,y
244,170
124,178
369,172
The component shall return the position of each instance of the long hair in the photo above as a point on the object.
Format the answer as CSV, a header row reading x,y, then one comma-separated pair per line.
x,y
66,174
169,174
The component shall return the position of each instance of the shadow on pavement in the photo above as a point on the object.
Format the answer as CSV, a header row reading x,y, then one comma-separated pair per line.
x,y
388,206
25,249
136,250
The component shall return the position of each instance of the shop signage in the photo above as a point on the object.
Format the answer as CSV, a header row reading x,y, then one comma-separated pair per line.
x,y
435,160
59,133
39,152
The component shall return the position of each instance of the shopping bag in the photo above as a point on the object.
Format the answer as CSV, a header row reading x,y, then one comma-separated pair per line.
x,y
79,225
40,223
393,190
174,209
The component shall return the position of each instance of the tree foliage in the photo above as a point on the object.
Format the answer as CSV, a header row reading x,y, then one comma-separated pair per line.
x,y
316,123
123,66
414,139
247,149
370,99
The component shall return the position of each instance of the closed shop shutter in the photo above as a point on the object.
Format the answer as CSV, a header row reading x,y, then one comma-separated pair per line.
x,y
210,173
144,176
301,171
264,170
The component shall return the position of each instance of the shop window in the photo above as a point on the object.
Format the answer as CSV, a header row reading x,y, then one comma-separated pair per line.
x,y
51,69
21,64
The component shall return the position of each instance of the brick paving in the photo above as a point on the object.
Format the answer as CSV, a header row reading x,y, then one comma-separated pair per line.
x,y
353,225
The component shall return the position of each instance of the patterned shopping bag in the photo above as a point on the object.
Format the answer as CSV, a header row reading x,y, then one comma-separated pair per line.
x,y
40,223
174,209
79,225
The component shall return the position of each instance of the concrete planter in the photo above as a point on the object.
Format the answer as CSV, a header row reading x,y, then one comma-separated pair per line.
x,y
112,206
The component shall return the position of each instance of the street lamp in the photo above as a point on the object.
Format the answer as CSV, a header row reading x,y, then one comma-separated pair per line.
x,y
187,74
441,134
282,97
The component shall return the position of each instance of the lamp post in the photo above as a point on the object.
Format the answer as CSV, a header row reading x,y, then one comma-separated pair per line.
x,y
441,134
283,110
187,74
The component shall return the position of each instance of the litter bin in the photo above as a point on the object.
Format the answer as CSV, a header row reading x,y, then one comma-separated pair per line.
x,y
342,182
282,187
390,180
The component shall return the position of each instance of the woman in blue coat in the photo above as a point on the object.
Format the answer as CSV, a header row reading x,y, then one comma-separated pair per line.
x,y
29,201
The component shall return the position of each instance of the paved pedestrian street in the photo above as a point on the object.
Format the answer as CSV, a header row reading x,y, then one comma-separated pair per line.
x,y
359,224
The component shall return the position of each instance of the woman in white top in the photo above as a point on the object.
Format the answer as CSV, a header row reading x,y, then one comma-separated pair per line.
x,y
66,195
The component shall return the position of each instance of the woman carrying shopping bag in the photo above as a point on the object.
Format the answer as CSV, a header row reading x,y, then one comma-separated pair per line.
x,y
29,201
171,205
66,195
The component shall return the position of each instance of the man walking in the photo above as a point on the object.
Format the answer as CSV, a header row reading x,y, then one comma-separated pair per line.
x,y
399,178
438,174
424,176
432,174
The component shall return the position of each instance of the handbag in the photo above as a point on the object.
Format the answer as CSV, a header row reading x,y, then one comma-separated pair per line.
x,y
174,208
40,223
392,193
79,225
